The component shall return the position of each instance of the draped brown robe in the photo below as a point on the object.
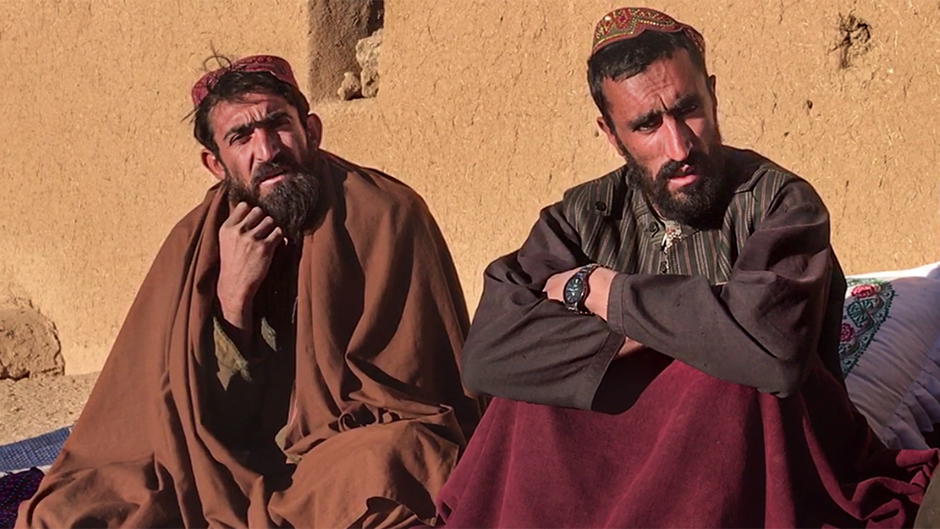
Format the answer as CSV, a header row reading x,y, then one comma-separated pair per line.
x,y
377,412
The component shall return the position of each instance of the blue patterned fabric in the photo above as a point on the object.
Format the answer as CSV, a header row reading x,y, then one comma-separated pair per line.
x,y
33,452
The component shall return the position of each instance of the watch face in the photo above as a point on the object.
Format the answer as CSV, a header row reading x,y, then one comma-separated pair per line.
x,y
573,290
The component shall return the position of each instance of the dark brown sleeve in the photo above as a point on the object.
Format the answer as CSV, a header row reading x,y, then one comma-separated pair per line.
x,y
762,327
235,393
523,346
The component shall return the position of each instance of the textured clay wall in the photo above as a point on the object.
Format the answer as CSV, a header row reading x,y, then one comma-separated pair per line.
x,y
482,108
98,161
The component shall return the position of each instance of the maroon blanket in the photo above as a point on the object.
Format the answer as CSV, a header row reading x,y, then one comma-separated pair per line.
x,y
693,451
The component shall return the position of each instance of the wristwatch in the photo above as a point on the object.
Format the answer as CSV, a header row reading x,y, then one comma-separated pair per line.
x,y
576,289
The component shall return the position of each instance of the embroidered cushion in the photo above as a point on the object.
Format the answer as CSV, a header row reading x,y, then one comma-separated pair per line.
x,y
890,352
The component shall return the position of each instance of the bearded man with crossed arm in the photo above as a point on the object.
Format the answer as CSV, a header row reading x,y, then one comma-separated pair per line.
x,y
664,346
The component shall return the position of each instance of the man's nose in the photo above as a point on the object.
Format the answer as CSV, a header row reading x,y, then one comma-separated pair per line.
x,y
679,141
267,145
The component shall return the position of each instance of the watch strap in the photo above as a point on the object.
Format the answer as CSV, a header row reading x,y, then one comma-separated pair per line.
x,y
583,275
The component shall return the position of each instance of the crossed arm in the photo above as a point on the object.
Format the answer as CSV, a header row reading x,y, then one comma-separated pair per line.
x,y
760,329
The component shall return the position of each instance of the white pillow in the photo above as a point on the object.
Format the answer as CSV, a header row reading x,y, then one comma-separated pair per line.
x,y
890,352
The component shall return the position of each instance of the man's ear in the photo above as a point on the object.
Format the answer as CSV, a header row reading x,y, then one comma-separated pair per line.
x,y
213,164
611,135
711,90
314,131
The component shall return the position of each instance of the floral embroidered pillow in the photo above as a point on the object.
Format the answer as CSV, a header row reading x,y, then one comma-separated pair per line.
x,y
890,354
867,302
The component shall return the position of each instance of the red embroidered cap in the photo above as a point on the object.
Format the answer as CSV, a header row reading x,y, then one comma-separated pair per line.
x,y
629,22
275,66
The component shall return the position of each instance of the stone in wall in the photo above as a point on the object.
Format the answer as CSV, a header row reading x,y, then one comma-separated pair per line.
x,y
29,345
351,87
367,55
335,27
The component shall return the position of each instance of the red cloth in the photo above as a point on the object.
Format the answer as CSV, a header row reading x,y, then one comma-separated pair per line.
x,y
693,451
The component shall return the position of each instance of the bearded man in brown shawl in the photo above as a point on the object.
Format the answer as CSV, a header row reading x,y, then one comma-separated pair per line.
x,y
665,343
290,359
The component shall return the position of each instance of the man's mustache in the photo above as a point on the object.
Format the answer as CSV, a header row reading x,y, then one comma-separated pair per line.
x,y
696,162
279,164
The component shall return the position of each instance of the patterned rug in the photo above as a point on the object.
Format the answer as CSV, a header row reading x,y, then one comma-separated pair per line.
x,y
38,451
19,475
14,489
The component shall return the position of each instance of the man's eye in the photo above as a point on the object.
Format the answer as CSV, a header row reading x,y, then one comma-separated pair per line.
x,y
649,126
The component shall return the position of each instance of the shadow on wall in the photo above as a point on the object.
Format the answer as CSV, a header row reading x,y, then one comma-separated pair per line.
x,y
336,28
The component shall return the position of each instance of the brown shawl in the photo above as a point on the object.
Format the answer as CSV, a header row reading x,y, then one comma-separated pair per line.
x,y
378,415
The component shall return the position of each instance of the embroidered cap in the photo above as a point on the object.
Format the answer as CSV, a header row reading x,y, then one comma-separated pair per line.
x,y
629,22
275,66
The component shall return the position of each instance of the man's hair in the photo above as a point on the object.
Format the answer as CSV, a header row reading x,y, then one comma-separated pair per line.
x,y
235,85
626,58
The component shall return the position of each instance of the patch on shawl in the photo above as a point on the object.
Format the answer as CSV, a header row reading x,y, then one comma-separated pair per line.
x,y
866,307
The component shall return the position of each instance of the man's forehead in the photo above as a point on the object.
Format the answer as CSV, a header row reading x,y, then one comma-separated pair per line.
x,y
665,81
247,109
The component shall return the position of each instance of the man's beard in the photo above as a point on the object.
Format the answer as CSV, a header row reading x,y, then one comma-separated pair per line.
x,y
700,204
292,202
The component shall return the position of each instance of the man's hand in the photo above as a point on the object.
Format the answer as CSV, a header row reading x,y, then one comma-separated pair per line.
x,y
247,240
598,289
599,283
629,347
555,286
